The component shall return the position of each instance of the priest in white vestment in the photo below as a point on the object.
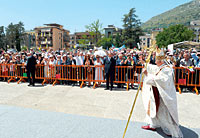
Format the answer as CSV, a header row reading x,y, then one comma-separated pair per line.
x,y
159,98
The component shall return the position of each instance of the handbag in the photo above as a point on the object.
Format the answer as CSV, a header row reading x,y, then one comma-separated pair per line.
x,y
182,81
24,74
58,76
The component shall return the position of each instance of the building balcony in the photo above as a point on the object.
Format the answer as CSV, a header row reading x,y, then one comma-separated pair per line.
x,y
45,34
45,42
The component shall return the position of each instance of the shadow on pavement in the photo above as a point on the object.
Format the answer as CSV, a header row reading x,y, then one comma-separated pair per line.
x,y
187,133
39,85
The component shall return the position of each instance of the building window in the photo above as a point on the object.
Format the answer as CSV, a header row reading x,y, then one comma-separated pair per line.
x,y
109,34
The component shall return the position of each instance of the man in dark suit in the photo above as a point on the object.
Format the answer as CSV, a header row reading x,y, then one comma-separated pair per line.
x,y
110,63
30,67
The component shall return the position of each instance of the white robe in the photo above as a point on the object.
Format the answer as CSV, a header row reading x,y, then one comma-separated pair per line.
x,y
167,116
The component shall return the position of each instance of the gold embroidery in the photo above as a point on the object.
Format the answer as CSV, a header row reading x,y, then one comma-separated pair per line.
x,y
160,57
148,111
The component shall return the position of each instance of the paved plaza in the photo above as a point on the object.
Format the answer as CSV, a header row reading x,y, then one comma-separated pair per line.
x,y
71,112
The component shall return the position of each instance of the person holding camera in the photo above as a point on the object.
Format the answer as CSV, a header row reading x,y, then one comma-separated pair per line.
x,y
130,63
120,70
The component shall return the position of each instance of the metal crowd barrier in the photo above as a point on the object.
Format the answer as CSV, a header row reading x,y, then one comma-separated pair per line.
x,y
8,72
88,74
185,78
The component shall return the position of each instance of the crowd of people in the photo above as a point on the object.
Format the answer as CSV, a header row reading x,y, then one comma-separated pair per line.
x,y
188,58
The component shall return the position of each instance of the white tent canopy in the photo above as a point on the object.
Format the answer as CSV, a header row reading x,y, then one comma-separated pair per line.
x,y
183,45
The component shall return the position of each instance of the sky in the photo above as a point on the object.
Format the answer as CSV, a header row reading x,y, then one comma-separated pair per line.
x,y
75,14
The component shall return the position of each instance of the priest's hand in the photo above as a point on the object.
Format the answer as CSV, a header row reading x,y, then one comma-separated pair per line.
x,y
144,71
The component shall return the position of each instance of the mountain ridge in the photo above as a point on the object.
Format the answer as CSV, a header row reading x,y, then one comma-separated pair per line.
x,y
181,14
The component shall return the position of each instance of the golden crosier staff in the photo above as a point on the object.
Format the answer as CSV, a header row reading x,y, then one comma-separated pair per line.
x,y
151,49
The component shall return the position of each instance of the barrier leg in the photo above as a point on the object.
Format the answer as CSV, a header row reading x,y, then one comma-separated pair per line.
x,y
127,87
196,90
95,84
141,86
11,79
179,89
55,82
21,79
82,84
45,81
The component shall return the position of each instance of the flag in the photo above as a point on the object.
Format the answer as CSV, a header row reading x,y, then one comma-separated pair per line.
x,y
123,47
113,46
138,45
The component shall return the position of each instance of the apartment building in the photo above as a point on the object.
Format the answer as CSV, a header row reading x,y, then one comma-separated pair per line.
x,y
195,26
30,39
145,40
111,30
77,36
52,35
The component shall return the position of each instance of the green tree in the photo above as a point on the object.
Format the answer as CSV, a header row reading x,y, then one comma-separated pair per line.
x,y
10,35
84,41
14,35
174,34
117,40
95,30
2,38
24,48
19,35
105,42
132,29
